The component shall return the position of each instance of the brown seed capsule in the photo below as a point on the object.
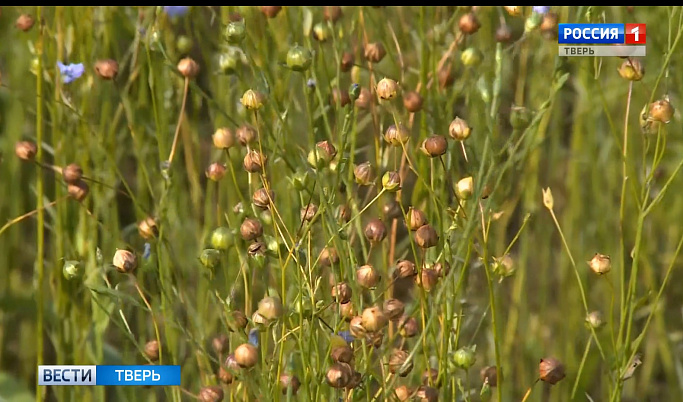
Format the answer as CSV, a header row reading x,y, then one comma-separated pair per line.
x,y
223,138
342,353
600,264
326,150
251,229
25,150
339,375
24,22
220,343
246,134
489,373
426,394
431,377
403,393
211,394
364,99
442,269
434,146
632,69
375,339
342,292
391,181
270,307
343,213
469,23
375,231
661,111
427,279
332,13
412,101
551,370
289,382
394,309
415,219
78,190
408,327
72,173
374,52
387,89
355,380
356,327
261,198
363,174
107,69
426,236
549,26
225,376
400,363
503,34
404,269
329,256
246,355
445,76
147,228
392,210
347,61
459,130
237,320
215,171
125,261
347,310
271,11
254,161
257,249
152,350
188,67
308,212
397,135
373,319
340,97
367,276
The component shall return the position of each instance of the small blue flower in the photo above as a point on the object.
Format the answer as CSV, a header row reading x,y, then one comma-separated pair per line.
x,y
71,71
310,83
346,335
147,252
254,337
541,9
176,11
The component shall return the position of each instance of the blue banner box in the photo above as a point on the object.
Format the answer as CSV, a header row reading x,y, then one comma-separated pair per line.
x,y
109,375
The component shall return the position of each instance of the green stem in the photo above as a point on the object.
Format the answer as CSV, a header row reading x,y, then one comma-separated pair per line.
x,y
40,232
583,361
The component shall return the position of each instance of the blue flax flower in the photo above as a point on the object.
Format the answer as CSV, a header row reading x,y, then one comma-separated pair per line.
x,y
176,11
254,337
70,72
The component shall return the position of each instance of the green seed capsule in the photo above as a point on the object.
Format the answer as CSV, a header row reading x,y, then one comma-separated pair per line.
x,y
299,58
465,357
235,32
222,238
210,258
184,44
72,269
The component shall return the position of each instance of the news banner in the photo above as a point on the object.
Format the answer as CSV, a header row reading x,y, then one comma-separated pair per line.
x,y
622,40
109,375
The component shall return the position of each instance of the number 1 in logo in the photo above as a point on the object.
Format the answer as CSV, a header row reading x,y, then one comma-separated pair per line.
x,y
634,34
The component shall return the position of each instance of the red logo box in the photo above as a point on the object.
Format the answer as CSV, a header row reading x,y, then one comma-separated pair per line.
x,y
634,34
